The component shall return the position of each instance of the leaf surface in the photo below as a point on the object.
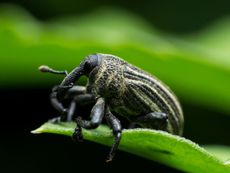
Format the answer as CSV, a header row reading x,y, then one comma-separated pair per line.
x,y
159,146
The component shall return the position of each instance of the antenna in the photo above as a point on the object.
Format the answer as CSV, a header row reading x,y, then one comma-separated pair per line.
x,y
47,69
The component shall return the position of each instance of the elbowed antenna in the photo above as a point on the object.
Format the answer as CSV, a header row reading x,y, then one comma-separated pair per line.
x,y
47,69
73,76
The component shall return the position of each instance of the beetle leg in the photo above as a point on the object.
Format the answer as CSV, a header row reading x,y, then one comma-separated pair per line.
x,y
96,115
75,90
59,107
115,124
82,99
155,120
71,111
77,134
79,99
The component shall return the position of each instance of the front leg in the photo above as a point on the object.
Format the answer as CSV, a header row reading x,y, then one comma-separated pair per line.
x,y
78,100
96,116
59,107
76,92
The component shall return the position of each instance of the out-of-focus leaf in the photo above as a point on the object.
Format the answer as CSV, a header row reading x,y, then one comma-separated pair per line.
x,y
220,151
25,43
216,36
214,40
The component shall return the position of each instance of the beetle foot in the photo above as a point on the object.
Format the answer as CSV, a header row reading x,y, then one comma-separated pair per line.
x,y
77,135
109,158
64,114
61,118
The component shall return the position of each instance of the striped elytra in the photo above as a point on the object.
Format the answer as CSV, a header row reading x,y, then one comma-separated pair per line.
x,y
132,92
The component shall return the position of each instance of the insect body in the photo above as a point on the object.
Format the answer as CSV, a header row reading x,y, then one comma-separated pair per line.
x,y
118,89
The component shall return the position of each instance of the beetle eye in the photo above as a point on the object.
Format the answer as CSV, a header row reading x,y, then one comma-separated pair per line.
x,y
87,66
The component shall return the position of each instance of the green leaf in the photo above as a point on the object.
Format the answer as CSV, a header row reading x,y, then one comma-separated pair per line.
x,y
216,38
159,146
220,151
198,76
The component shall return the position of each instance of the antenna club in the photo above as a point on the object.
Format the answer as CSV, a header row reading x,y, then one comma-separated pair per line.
x,y
44,68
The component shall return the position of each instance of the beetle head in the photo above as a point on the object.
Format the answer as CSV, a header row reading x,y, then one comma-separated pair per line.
x,y
89,63
85,68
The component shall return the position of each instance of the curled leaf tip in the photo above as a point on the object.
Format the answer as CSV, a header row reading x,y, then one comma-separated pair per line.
x,y
37,131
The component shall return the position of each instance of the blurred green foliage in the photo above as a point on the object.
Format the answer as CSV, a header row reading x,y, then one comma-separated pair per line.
x,y
196,74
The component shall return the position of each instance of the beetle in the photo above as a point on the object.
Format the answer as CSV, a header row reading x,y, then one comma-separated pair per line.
x,y
116,88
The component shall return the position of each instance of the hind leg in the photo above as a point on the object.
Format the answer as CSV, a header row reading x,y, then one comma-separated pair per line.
x,y
153,120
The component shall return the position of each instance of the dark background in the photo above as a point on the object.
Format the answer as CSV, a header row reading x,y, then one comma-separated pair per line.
x,y
23,110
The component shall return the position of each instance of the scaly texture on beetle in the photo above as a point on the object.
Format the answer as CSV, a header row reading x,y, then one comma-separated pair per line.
x,y
130,91
119,88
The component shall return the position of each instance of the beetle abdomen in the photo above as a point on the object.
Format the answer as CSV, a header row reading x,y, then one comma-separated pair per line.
x,y
148,94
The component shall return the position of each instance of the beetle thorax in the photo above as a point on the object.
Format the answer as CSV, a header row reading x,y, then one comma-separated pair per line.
x,y
107,79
